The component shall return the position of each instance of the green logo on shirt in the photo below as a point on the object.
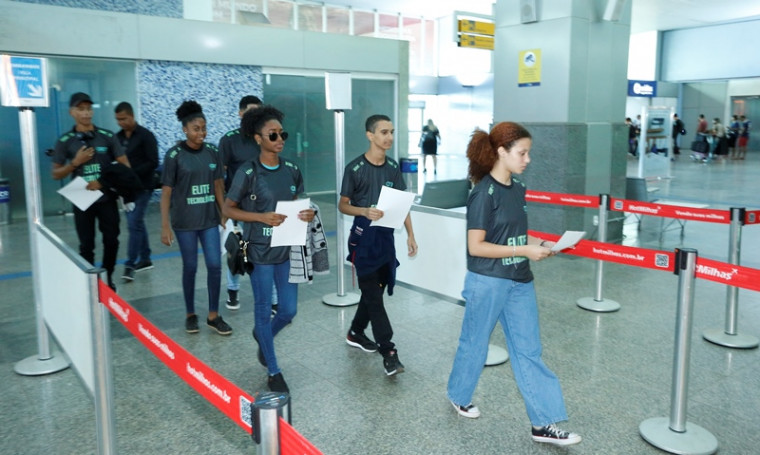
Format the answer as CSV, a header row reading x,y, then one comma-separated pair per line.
x,y
201,194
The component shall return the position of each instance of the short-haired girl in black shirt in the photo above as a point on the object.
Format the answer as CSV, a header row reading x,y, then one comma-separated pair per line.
x,y
252,198
499,284
192,193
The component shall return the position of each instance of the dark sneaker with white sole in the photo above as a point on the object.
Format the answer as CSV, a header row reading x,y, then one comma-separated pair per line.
x,y
550,434
470,411
143,266
218,324
392,364
361,341
128,275
277,383
191,324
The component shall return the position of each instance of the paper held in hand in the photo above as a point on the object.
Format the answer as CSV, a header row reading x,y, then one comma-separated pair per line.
x,y
395,205
568,240
77,193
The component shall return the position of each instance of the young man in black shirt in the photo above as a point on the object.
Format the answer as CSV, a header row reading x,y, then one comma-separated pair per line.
x,y
371,248
84,152
141,148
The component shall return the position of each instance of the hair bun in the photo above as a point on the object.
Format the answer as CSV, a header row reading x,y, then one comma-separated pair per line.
x,y
187,109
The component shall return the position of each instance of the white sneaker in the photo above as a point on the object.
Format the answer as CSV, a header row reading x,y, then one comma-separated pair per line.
x,y
471,411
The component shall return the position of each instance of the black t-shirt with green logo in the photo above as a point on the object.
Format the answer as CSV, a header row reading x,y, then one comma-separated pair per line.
x,y
362,180
191,175
501,211
235,149
107,149
284,183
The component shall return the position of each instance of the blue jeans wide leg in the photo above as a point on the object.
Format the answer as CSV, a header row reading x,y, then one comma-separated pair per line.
x,y
138,247
266,327
538,385
482,309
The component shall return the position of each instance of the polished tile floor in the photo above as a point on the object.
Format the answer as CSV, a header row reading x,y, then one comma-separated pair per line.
x,y
615,368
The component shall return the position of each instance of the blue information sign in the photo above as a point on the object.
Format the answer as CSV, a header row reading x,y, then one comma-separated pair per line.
x,y
23,81
642,88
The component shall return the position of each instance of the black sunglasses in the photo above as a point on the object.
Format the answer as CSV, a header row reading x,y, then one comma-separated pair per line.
x,y
273,136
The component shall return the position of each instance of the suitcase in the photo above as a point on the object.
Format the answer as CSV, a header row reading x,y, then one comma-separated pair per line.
x,y
700,147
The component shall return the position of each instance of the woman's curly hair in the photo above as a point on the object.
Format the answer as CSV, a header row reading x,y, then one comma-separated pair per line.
x,y
482,149
189,110
255,119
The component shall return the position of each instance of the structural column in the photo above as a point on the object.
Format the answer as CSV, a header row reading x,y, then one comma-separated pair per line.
x,y
562,72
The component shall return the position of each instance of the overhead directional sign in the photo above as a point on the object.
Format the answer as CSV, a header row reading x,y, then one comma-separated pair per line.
x,y
23,81
478,27
476,41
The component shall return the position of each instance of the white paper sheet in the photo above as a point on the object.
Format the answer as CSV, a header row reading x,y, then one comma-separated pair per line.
x,y
568,239
395,205
292,231
76,191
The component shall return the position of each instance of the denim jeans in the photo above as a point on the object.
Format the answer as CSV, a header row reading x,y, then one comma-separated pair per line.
x,y
138,248
233,281
265,326
513,305
212,254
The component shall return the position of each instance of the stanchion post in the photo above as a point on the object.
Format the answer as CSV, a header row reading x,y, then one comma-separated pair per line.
x,y
598,303
728,336
266,410
675,434
45,362
103,380
338,98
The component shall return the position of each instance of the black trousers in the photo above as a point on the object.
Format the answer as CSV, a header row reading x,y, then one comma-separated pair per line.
x,y
107,215
371,309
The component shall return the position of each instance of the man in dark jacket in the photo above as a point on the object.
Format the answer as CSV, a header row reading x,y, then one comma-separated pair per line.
x,y
141,148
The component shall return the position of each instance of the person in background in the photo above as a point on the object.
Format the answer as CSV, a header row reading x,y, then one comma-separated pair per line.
x,y
678,128
701,128
371,248
85,152
236,149
633,137
732,134
429,141
141,148
192,194
718,132
743,137
498,285
256,188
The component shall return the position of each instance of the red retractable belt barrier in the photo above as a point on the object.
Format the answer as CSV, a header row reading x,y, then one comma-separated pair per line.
x,y
629,255
578,200
215,388
671,211
732,275
292,443
752,217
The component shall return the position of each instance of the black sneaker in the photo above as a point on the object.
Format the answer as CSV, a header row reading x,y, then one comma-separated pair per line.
x,y
191,324
392,364
232,300
277,383
361,341
553,435
470,410
144,265
260,353
218,324
128,275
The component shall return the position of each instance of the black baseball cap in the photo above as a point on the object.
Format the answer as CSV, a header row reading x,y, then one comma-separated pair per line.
x,y
79,97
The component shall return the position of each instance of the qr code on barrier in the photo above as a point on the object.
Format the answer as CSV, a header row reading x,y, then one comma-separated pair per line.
x,y
617,205
245,411
662,260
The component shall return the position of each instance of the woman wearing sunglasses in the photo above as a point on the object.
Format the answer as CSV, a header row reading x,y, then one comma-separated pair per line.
x,y
192,192
252,198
